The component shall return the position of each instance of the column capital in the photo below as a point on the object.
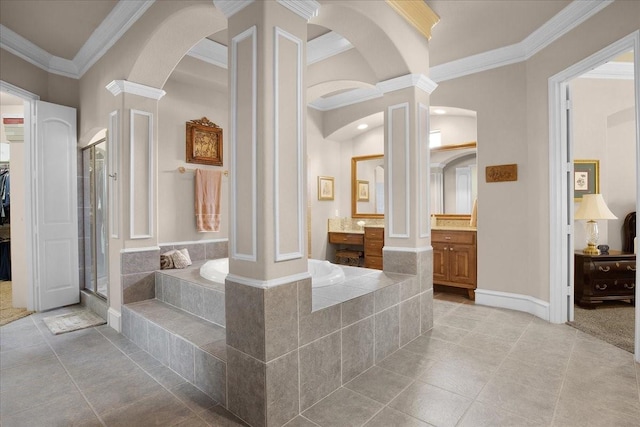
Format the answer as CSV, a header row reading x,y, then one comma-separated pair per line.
x,y
116,87
304,8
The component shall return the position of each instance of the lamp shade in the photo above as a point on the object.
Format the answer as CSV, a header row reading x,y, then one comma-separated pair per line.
x,y
593,207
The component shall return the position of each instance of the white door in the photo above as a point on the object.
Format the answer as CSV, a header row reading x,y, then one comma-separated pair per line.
x,y
56,208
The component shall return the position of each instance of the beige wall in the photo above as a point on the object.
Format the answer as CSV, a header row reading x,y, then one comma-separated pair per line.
x,y
184,102
455,129
604,130
513,127
49,87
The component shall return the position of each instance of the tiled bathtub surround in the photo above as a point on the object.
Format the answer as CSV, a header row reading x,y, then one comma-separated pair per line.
x,y
290,346
189,346
138,267
185,289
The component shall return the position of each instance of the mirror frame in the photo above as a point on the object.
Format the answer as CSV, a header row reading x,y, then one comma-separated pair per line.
x,y
354,186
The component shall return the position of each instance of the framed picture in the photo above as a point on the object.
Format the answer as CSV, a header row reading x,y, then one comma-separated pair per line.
x,y
204,142
325,188
363,191
586,178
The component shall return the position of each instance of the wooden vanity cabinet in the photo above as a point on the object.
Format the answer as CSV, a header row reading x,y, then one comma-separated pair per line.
x,y
373,244
454,259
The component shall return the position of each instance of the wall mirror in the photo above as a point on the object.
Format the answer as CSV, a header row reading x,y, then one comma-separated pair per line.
x,y
367,186
454,178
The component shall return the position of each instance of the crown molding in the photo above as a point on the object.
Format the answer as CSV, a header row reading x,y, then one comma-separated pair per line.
x,y
564,21
355,96
116,87
326,46
611,70
231,7
123,15
23,48
306,9
318,49
211,52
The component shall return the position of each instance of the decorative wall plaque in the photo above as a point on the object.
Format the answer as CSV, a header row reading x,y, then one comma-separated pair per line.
x,y
204,142
502,173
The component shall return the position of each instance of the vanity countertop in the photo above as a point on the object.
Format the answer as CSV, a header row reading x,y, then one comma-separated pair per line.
x,y
453,228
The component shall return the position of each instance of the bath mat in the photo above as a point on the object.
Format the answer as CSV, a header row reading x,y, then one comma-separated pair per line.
x,y
72,321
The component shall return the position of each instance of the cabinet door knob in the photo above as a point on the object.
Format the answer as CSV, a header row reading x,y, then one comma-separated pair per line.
x,y
450,249
629,285
630,267
605,268
601,287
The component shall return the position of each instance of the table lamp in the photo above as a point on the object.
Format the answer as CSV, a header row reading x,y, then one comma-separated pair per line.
x,y
593,208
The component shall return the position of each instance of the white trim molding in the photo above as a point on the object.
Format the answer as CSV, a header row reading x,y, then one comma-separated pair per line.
x,y
123,15
211,52
150,174
511,301
143,249
355,96
249,33
231,7
266,284
17,91
113,153
114,319
564,21
306,9
424,173
418,250
116,87
326,46
611,70
389,170
279,33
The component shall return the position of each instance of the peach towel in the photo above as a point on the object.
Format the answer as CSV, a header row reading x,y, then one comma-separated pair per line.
x,y
207,200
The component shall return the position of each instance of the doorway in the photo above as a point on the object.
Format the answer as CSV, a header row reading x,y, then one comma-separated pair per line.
x,y
94,212
561,178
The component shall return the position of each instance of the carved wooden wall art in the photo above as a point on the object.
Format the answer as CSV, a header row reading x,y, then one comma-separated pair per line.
x,y
204,142
502,173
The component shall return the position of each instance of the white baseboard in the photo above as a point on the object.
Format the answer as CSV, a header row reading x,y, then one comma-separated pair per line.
x,y
114,319
511,301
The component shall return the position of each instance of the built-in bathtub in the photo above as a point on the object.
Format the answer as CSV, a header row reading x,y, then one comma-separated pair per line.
x,y
323,273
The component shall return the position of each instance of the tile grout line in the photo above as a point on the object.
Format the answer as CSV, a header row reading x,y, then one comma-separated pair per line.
x,y
564,377
69,374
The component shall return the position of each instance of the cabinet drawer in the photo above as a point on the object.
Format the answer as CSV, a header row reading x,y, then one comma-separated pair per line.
x,y
614,287
346,238
373,245
462,237
615,267
371,261
374,232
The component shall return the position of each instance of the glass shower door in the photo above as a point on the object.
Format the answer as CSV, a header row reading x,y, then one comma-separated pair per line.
x,y
94,160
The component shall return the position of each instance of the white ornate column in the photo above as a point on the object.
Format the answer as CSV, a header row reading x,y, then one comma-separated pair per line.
x,y
407,176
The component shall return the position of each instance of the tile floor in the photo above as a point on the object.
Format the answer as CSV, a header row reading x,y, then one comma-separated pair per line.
x,y
478,367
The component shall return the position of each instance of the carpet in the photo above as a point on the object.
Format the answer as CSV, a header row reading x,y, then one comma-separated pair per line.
x,y
74,321
8,313
612,321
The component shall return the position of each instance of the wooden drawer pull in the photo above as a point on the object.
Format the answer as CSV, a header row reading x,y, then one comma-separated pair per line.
x,y
601,287
605,268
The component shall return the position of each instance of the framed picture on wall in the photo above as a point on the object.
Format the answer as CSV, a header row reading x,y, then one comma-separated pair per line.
x,y
586,178
363,191
325,188
204,142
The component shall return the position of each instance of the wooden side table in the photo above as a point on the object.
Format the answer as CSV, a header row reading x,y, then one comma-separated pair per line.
x,y
605,277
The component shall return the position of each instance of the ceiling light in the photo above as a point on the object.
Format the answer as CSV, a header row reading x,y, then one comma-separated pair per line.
x,y
439,111
362,126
